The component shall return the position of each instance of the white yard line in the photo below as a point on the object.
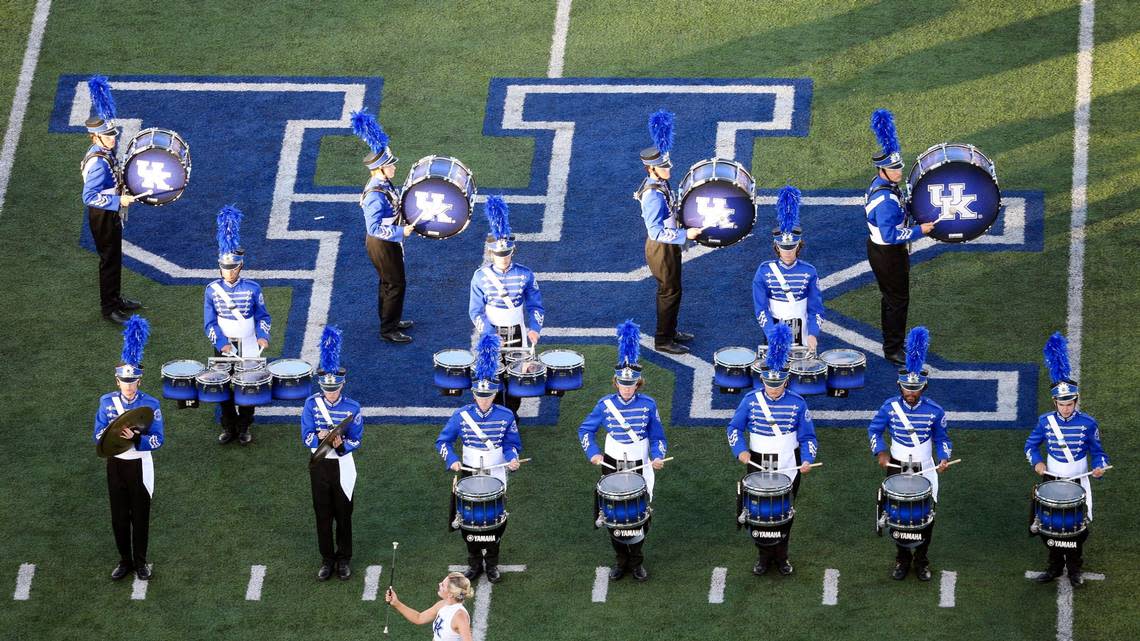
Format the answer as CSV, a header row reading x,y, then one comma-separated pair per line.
x,y
1065,601
946,591
22,95
138,588
558,42
24,582
1075,327
371,582
256,579
716,585
601,584
830,586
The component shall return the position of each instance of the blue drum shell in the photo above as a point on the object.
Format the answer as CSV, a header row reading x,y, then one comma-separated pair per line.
x,y
253,394
564,380
737,377
1060,520
774,508
179,389
625,511
907,513
846,377
804,384
285,389
530,388
214,392
480,513
447,378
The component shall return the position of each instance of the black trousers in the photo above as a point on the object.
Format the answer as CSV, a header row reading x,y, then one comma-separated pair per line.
x,y
107,232
665,265
777,553
891,265
331,505
1068,558
235,417
483,552
130,509
388,259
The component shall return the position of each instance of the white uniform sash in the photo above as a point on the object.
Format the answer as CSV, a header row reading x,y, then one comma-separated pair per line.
x,y
783,445
142,455
1060,436
239,328
347,466
638,450
511,316
905,420
474,457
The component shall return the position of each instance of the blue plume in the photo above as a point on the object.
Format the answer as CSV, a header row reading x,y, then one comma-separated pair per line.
x,y
498,216
487,357
330,349
366,128
629,342
229,229
101,97
135,335
917,342
1057,357
661,129
779,345
883,124
788,208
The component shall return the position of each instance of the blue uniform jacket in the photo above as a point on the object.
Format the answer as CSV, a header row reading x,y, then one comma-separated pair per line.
x,y
379,217
927,418
248,301
655,211
312,421
1081,434
885,214
790,413
522,290
640,414
498,425
100,187
106,413
803,282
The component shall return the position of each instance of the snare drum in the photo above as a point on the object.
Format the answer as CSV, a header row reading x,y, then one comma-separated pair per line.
x,y
156,161
178,380
213,385
453,370
1059,508
564,370
252,387
732,369
479,502
956,186
292,379
623,499
438,197
718,197
767,499
808,376
526,378
908,501
845,368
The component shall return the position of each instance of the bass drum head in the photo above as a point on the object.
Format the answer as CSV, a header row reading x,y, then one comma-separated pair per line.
x,y
438,197
959,191
154,165
723,206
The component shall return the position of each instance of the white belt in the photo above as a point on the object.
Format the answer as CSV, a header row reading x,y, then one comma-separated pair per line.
x,y
785,310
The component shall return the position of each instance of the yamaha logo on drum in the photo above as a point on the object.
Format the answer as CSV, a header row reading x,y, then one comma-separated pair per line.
x,y
480,538
907,536
767,534
1054,543
628,533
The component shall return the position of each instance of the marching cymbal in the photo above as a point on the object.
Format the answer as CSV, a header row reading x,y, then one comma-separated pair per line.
x,y
111,443
326,444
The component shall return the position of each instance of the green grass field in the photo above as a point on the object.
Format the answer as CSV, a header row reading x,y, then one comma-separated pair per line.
x,y
1001,74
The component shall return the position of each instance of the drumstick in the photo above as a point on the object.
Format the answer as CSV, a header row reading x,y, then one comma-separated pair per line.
x,y
391,580
607,465
926,469
644,465
786,469
493,467
1081,476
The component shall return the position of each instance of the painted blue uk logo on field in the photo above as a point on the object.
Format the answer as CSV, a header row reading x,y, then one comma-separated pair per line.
x,y
255,142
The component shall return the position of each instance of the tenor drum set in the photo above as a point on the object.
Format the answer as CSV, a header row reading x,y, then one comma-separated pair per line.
x,y
835,372
245,381
550,373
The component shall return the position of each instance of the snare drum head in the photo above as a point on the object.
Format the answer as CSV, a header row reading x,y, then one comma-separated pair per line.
x,y
768,482
479,486
1060,492
252,377
734,357
182,369
907,486
807,366
290,368
156,162
717,196
562,359
843,357
621,484
438,199
955,185
213,377
526,367
455,358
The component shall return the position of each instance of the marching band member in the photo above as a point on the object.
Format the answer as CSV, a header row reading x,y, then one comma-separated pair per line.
x,y
450,621
634,436
786,290
130,475
664,240
333,478
916,429
1072,443
490,437
106,204
504,295
384,239
772,428
235,318
887,249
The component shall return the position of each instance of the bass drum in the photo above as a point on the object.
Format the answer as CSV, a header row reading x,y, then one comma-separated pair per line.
x,y
955,186
438,197
156,163
718,197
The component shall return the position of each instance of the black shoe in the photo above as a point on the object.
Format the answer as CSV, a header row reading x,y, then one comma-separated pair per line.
x,y
617,572
343,570
1048,575
396,337
128,305
226,436
900,570
121,570
640,574
760,568
897,357
473,571
785,568
1075,579
325,572
493,574
142,572
405,324
117,316
922,571
682,337
671,348
245,437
